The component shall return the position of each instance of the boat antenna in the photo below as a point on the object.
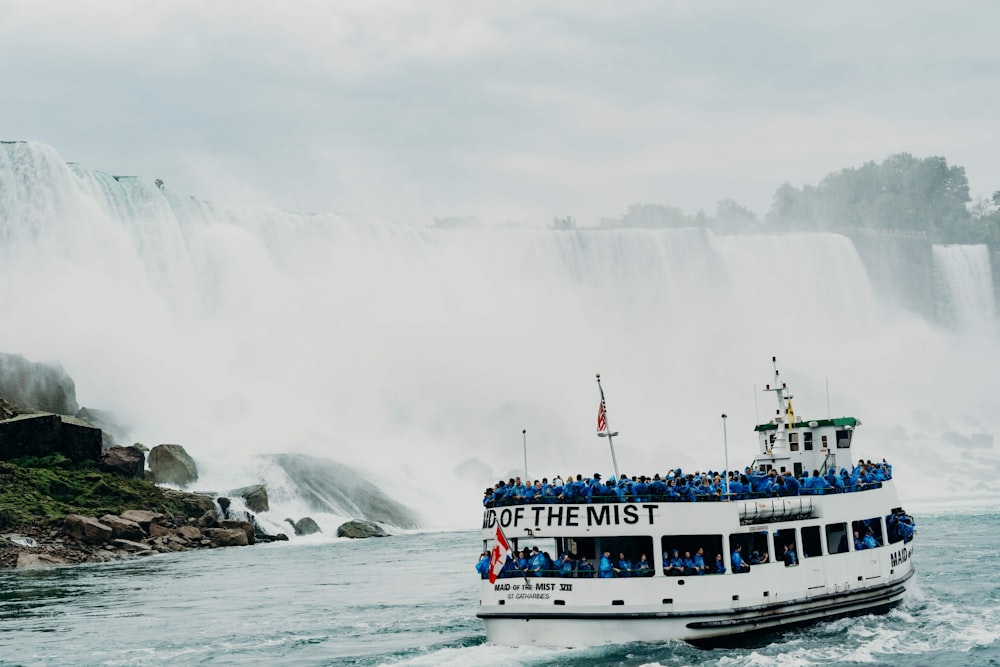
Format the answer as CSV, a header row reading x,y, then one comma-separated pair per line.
x,y
725,444
829,415
603,429
756,408
524,438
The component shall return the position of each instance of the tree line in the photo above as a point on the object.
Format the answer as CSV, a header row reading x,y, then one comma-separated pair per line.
x,y
901,194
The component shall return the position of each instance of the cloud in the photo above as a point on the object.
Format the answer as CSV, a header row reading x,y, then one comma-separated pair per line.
x,y
407,110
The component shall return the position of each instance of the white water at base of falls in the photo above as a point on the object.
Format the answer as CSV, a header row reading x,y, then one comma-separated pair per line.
x,y
406,352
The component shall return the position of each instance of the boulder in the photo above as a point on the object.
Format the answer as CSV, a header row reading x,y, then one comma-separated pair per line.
x,y
195,504
245,526
143,517
358,529
191,533
171,464
209,519
159,530
130,546
37,387
86,529
226,537
304,526
255,497
26,559
128,461
44,434
125,529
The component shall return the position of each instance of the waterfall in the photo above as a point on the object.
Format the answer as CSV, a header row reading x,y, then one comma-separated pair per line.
x,y
413,353
967,298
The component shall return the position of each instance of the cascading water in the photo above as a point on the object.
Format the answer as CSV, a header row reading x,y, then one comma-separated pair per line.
x,y
967,288
415,353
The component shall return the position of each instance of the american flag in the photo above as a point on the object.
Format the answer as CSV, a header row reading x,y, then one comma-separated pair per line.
x,y
602,417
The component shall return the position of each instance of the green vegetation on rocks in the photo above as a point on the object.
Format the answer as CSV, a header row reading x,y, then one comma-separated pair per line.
x,y
42,491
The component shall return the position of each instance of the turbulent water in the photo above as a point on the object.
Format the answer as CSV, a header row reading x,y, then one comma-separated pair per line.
x,y
412,599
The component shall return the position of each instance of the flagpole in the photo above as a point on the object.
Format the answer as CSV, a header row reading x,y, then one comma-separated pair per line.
x,y
524,437
607,432
725,443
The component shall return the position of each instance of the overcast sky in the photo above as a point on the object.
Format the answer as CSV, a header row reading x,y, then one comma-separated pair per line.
x,y
509,110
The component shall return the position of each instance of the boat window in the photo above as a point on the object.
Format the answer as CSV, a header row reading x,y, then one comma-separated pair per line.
x,y
807,441
755,550
893,533
793,442
844,438
811,545
710,545
564,555
836,538
632,547
784,542
869,531
824,443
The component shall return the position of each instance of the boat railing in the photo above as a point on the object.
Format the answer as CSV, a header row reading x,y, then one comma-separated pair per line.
x,y
652,498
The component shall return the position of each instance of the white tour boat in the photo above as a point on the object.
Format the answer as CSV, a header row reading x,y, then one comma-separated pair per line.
x,y
852,549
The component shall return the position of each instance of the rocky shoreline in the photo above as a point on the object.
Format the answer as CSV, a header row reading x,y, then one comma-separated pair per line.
x,y
70,494
197,521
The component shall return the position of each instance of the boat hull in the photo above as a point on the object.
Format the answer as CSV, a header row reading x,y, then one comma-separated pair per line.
x,y
701,628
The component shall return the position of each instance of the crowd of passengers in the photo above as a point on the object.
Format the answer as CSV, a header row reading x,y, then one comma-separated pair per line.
x,y
535,563
690,487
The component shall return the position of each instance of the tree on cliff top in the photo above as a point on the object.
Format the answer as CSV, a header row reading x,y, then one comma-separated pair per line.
x,y
903,192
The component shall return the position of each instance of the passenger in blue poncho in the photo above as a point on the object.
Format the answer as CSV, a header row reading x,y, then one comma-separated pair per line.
x,y
698,561
604,569
536,564
792,486
869,540
859,544
643,568
624,568
789,557
675,567
720,566
483,566
737,560
566,566
585,569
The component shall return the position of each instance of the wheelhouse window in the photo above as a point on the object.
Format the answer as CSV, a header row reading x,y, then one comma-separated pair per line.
x,y
844,438
793,442
807,441
837,541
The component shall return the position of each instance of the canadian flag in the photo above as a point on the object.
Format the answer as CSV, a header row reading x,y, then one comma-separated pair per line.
x,y
501,552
